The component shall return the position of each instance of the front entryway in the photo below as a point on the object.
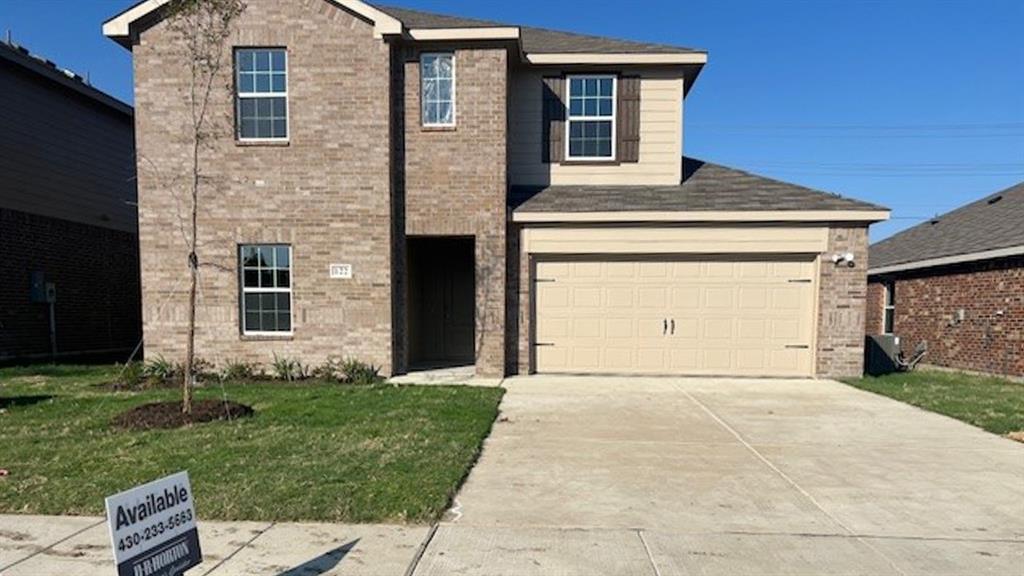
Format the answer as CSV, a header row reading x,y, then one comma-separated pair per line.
x,y
442,302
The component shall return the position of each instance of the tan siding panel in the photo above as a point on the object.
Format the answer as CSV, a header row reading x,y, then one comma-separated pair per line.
x,y
660,148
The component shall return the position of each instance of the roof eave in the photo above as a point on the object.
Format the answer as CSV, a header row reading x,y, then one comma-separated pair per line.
x,y
596,58
862,216
948,260
464,34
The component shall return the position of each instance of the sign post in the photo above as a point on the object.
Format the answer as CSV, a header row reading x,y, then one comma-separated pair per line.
x,y
153,528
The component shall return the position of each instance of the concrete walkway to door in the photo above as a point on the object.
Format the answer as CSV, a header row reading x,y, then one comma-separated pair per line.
x,y
622,476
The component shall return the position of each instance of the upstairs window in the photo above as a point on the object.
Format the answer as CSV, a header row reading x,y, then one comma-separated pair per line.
x,y
591,118
266,272
262,93
889,314
437,89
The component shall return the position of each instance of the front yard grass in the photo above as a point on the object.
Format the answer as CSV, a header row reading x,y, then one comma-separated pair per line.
x,y
994,404
313,451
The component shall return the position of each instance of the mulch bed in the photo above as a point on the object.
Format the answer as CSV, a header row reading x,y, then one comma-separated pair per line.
x,y
167,415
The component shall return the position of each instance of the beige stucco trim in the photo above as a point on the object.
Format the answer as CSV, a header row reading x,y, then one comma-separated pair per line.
x,y
709,216
692,240
120,26
598,58
496,33
945,261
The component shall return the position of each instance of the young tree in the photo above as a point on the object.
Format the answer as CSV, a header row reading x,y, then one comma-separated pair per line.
x,y
204,28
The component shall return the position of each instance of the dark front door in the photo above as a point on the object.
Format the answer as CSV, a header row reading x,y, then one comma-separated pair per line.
x,y
442,302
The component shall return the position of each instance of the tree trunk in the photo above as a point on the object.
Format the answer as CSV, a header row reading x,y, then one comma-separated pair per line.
x,y
190,350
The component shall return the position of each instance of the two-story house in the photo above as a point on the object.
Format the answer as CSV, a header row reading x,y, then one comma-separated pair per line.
x,y
69,258
413,189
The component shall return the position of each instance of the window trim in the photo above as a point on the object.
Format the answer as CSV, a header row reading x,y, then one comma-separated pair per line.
x,y
455,92
242,291
286,95
888,307
614,119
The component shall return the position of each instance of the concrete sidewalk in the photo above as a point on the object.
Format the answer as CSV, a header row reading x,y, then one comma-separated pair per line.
x,y
77,546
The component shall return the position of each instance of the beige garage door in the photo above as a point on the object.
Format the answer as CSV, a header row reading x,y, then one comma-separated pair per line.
x,y
739,316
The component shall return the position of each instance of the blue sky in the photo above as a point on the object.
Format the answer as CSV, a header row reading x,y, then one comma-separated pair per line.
x,y
914,104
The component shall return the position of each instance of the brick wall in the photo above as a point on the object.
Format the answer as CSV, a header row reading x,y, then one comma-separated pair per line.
x,y
927,305
455,181
326,193
841,309
96,273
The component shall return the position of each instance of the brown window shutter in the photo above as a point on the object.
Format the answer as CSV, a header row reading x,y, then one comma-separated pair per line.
x,y
553,143
628,130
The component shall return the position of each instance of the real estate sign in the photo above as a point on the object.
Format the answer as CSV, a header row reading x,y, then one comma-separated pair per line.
x,y
153,528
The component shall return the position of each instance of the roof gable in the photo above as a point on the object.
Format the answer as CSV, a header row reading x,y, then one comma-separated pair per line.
x,y
993,223
119,27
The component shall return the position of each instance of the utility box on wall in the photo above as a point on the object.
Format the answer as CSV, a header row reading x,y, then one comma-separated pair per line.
x,y
38,288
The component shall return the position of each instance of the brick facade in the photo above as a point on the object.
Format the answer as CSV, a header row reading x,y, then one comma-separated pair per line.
x,y
326,193
455,180
841,306
991,336
96,273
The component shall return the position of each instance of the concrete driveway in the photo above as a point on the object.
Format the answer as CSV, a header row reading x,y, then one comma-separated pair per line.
x,y
649,476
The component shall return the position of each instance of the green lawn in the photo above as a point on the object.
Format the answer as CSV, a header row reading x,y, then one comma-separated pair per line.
x,y
313,451
995,404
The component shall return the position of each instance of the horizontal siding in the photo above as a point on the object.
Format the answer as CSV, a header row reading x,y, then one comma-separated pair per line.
x,y
661,140
63,155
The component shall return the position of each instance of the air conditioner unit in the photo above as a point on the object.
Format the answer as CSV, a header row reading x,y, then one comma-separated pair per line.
x,y
881,351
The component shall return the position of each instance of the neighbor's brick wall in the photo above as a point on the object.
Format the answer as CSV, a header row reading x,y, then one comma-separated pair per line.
x,y
326,193
875,323
96,271
455,181
927,302
841,307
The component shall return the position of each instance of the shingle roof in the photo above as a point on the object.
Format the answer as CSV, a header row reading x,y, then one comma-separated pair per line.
x,y
994,222
705,187
537,40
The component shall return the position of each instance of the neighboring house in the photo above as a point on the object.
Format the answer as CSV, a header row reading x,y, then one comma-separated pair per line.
x,y
421,190
956,282
68,225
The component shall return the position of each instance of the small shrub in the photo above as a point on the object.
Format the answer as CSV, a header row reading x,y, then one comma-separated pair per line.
x,y
289,369
161,369
234,371
332,370
350,371
360,373
203,369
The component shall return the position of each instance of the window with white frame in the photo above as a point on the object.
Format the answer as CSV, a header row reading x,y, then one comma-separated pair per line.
x,y
437,89
889,314
262,93
266,272
591,118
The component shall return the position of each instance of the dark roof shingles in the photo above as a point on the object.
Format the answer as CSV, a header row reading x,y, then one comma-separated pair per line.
x,y
706,187
537,40
977,227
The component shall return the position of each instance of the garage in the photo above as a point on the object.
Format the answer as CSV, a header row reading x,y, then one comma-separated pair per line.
x,y
724,274
743,315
